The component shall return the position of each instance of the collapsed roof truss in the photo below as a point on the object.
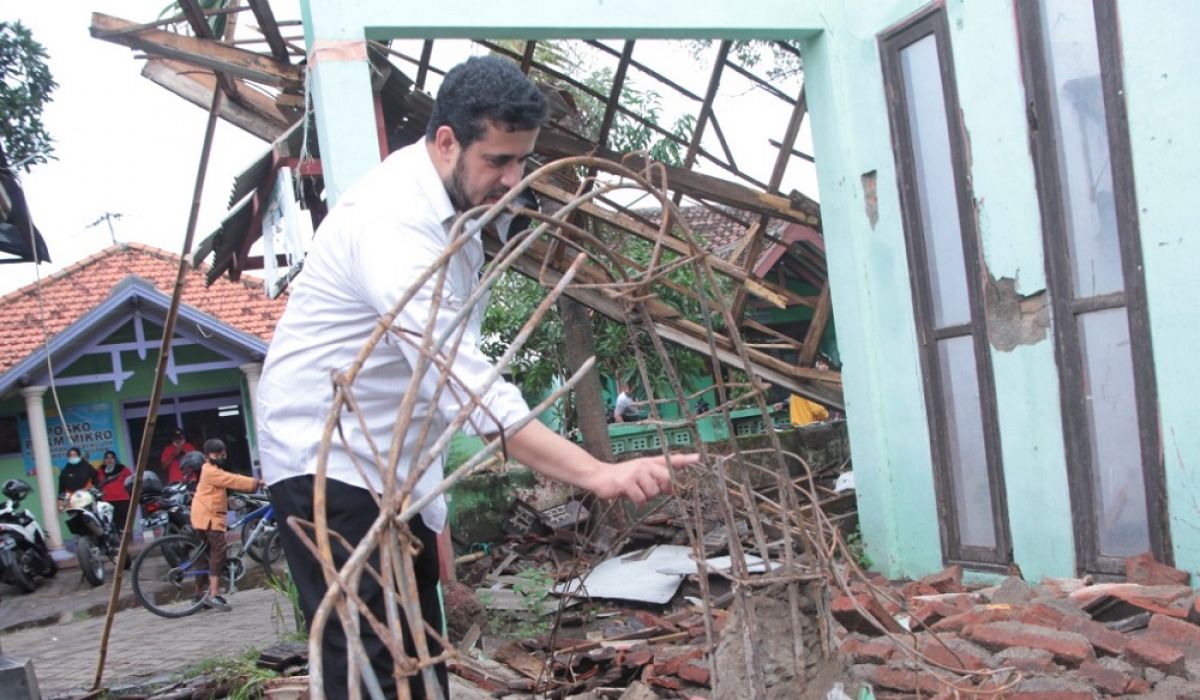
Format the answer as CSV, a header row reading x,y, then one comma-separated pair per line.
x,y
265,96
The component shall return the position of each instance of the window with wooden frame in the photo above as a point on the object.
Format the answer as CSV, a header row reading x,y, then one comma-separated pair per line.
x,y
944,266
1071,59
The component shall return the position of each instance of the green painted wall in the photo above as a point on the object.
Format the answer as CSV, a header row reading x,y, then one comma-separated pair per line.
x,y
868,264
984,43
134,389
1163,97
872,297
871,293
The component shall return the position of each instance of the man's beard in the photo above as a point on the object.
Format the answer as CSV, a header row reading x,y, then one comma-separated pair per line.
x,y
455,188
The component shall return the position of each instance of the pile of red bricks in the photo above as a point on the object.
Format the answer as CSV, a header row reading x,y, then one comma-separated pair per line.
x,y
1066,638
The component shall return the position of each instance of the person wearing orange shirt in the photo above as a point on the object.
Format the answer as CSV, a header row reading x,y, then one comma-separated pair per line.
x,y
209,506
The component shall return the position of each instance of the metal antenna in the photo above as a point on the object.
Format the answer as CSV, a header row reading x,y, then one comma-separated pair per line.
x,y
107,217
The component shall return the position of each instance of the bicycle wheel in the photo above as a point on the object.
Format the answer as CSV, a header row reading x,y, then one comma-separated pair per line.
x,y
171,590
250,545
272,551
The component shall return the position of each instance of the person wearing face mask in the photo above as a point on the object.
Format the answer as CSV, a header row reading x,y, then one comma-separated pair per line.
x,y
112,484
209,507
77,474
171,455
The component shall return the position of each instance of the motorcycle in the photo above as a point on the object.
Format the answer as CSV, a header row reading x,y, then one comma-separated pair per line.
x,y
91,521
165,510
23,550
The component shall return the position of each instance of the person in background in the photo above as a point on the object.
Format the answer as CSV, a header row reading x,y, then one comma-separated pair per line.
x,y
171,455
77,474
209,507
624,411
112,485
801,411
190,465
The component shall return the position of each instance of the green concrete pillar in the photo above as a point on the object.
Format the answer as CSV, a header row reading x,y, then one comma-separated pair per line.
x,y
340,84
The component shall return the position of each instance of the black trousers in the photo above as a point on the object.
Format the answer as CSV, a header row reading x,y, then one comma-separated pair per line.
x,y
120,512
350,511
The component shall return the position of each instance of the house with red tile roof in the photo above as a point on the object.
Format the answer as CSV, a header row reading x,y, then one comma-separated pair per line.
x,y
83,343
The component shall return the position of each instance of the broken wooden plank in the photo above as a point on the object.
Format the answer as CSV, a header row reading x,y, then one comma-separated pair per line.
x,y
767,330
196,17
210,54
816,328
253,111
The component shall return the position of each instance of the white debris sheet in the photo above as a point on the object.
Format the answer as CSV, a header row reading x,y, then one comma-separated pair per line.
x,y
635,576
650,575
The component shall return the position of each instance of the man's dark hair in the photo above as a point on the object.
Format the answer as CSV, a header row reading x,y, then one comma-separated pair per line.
x,y
483,89
213,446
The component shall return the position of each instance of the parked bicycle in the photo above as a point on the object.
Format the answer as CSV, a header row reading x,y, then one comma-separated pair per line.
x,y
170,576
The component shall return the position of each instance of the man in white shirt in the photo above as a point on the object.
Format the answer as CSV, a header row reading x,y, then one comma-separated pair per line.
x,y
624,410
385,231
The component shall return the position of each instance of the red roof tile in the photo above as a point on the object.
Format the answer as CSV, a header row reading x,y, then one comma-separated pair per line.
x,y
78,288
719,228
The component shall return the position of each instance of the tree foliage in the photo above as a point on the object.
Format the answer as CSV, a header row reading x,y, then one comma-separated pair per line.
x,y
25,87
781,58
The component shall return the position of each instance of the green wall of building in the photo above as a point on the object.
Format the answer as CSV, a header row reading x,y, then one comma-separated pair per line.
x,y
868,262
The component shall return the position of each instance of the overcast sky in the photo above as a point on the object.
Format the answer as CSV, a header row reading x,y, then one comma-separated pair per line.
x,y
127,146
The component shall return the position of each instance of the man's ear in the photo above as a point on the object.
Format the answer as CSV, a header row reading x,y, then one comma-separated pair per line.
x,y
445,143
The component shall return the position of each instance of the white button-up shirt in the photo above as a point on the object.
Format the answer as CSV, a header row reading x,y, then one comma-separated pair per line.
x,y
386,231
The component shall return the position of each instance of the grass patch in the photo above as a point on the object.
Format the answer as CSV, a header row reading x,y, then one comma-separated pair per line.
x,y
242,669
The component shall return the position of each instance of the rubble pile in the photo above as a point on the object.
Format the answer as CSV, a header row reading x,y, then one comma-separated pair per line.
x,y
1060,638
616,612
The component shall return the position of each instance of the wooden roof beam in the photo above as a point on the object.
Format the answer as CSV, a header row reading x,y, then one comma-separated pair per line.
x,y
816,328
614,95
818,385
199,21
777,173
776,296
254,112
698,185
710,95
625,111
269,28
208,53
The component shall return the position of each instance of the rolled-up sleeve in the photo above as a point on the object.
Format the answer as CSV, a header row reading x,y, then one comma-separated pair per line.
x,y
391,256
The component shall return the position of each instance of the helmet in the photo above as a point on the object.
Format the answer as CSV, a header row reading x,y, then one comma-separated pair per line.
x,y
17,490
191,462
151,484
81,499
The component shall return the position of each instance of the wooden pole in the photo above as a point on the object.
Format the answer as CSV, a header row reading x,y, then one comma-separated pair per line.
x,y
160,374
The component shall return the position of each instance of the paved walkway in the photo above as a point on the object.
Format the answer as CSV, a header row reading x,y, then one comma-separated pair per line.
x,y
144,646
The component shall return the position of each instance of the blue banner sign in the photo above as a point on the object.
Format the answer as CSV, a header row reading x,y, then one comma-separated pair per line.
x,y
88,427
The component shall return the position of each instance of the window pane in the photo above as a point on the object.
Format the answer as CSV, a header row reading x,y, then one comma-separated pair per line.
x,y
1077,99
935,182
1121,519
968,454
